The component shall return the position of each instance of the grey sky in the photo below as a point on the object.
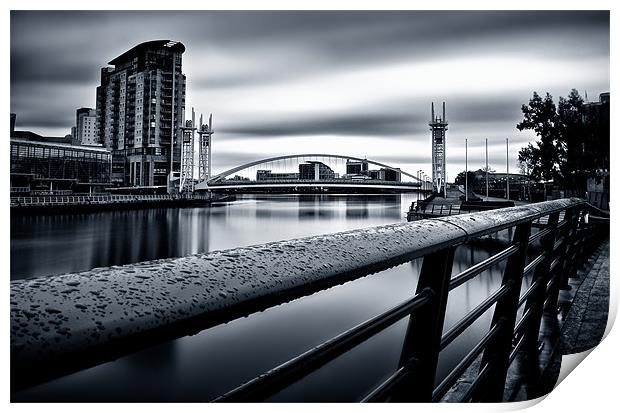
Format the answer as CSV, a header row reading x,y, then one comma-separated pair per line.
x,y
354,83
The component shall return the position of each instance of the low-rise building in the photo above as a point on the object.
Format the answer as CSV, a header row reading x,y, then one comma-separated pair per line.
x,y
267,175
51,166
315,171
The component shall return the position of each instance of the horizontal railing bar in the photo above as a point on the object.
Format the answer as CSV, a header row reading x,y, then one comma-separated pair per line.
x,y
529,292
521,323
515,350
279,377
473,315
540,234
477,381
460,368
534,263
383,390
476,269
558,244
554,264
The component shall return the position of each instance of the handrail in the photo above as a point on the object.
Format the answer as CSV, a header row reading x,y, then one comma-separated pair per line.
x,y
473,315
445,385
476,269
262,277
274,380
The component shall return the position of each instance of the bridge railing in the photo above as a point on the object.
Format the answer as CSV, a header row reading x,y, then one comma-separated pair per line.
x,y
265,275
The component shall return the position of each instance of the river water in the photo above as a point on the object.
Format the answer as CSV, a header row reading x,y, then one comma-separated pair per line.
x,y
202,366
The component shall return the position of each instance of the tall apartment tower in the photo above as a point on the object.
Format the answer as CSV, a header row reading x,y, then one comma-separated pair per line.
x,y
140,107
439,126
85,130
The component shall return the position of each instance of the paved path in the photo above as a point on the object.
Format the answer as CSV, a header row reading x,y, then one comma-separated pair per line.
x,y
587,318
582,328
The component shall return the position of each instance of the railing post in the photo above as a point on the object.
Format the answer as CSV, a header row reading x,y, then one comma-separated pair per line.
x,y
423,336
582,243
497,353
564,267
536,301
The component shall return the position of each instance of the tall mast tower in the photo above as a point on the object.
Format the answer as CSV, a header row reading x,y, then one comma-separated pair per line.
x,y
204,149
186,182
439,126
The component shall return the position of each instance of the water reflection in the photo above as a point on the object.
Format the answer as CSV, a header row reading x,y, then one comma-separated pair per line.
x,y
45,245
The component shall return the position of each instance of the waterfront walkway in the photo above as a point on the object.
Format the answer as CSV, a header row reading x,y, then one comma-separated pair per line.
x,y
586,319
583,312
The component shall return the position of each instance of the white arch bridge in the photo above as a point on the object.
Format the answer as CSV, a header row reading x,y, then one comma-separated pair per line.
x,y
307,172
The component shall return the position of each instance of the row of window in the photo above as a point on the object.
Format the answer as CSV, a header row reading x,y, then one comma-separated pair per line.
x,y
30,151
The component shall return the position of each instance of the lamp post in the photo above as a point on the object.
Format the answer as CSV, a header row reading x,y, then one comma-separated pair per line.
x,y
466,170
507,174
486,151
421,181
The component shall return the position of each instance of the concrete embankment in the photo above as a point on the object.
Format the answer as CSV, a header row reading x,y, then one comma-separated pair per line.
x,y
69,204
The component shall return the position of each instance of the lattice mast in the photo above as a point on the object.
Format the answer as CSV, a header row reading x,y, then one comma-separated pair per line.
x,y
204,149
439,126
186,181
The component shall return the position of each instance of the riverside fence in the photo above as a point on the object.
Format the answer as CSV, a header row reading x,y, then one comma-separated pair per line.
x,y
66,323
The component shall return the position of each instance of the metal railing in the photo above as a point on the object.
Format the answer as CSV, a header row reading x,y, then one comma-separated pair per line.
x,y
440,209
21,201
564,243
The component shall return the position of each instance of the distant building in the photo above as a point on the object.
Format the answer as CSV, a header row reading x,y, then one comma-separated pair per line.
x,y
85,130
313,170
357,167
385,174
140,105
267,175
52,163
51,166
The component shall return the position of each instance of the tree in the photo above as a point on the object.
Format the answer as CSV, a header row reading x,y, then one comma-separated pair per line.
x,y
471,179
573,145
543,159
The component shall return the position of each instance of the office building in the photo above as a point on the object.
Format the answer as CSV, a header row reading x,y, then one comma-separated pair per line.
x,y
356,167
267,175
85,130
140,105
313,170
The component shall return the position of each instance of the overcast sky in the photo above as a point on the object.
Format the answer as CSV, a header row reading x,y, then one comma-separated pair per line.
x,y
350,83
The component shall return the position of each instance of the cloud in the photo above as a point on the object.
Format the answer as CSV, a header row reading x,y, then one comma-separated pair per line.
x,y
382,124
341,81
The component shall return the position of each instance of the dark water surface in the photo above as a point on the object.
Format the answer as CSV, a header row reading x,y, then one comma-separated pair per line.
x,y
200,367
